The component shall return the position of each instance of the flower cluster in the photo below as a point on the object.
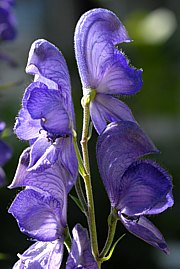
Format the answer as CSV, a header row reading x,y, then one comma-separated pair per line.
x,y
5,154
7,20
48,168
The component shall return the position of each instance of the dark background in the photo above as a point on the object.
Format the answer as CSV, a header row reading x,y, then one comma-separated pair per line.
x,y
154,27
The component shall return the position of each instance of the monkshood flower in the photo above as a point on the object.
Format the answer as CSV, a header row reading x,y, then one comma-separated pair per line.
x,y
7,20
104,70
5,153
134,186
42,217
47,115
80,255
41,212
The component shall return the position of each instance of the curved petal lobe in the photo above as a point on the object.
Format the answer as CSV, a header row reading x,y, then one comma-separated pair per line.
x,y
105,109
38,215
96,29
118,146
145,230
102,66
48,64
47,105
143,186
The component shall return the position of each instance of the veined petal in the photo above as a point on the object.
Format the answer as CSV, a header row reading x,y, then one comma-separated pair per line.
x,y
39,215
145,230
25,127
47,105
81,255
54,180
21,171
118,76
118,146
101,65
143,186
105,109
47,63
43,154
46,255
168,201
96,29
67,158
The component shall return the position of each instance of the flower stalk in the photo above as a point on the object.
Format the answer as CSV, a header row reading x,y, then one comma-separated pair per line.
x,y
87,178
112,222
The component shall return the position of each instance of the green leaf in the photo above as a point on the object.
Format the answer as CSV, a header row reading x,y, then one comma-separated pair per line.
x,y
77,202
112,250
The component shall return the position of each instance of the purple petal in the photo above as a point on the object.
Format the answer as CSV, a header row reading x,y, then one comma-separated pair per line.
x,y
42,154
168,201
118,146
96,29
5,153
52,180
81,255
47,105
143,186
67,157
21,171
40,255
47,174
25,127
101,65
39,215
7,22
48,65
105,109
117,75
145,230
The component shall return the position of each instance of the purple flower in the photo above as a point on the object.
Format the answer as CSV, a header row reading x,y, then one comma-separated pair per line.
x,y
5,154
7,20
104,70
42,217
135,187
47,115
81,256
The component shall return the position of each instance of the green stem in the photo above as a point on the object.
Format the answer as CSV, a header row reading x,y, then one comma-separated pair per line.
x,y
112,222
87,177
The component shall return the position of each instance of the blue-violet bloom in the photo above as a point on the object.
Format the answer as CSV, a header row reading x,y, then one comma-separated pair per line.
x,y
42,216
7,20
135,187
80,255
5,154
104,70
47,115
